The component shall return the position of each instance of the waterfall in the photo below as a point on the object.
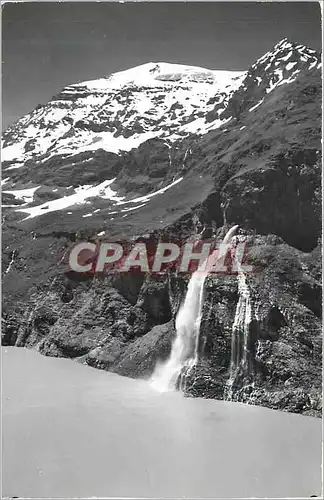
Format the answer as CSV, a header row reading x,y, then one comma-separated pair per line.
x,y
184,351
240,369
13,255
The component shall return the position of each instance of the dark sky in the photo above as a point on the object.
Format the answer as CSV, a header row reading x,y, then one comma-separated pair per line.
x,y
48,45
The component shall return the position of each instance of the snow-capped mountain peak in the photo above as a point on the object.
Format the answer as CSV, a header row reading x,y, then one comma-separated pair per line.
x,y
289,55
279,66
154,100
120,112
161,74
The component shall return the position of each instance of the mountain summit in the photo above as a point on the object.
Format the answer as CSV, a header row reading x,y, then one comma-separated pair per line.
x,y
125,109
120,112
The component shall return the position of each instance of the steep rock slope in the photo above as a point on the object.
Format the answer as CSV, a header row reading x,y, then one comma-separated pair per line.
x,y
173,152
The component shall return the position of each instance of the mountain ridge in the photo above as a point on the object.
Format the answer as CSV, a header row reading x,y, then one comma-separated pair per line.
x,y
191,121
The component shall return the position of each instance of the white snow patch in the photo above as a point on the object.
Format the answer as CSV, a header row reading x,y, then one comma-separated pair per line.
x,y
290,65
133,208
288,56
86,141
194,126
256,106
216,124
13,167
149,196
314,63
160,75
80,196
200,127
13,152
274,84
290,79
263,58
27,195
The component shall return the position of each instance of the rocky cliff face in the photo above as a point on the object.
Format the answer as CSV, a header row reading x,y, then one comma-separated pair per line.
x,y
173,152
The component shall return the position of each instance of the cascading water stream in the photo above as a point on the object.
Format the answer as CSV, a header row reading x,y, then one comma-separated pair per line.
x,y
184,351
13,255
241,372
240,333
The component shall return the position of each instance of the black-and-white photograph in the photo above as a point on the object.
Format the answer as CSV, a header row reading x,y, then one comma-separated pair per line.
x,y
161,250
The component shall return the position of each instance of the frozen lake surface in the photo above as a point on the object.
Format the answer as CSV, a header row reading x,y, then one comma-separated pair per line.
x,y
73,431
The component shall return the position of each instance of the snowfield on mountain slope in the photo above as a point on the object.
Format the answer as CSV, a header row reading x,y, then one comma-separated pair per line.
x,y
161,74
25,195
148,101
80,197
